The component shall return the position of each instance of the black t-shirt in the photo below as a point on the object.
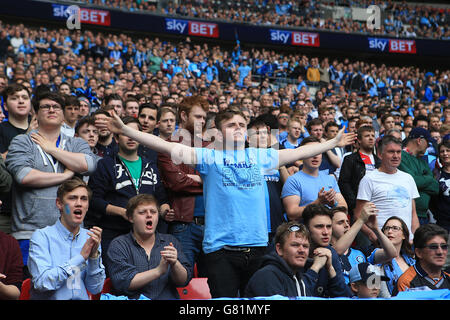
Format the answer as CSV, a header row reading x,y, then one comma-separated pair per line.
x,y
7,133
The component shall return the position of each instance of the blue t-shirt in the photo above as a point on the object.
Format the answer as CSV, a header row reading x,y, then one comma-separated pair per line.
x,y
307,187
352,258
234,190
243,72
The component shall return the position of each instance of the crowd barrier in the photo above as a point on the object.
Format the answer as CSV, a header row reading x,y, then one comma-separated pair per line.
x,y
441,294
225,31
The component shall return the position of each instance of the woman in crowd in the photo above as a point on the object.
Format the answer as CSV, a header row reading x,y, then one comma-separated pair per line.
x,y
397,232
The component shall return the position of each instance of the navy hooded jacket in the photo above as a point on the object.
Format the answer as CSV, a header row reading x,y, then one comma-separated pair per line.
x,y
276,278
112,184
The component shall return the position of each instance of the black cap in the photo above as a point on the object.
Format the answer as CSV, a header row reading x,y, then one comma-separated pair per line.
x,y
364,272
419,132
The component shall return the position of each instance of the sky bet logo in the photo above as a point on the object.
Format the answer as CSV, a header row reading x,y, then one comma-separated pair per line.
x,y
392,45
295,38
192,28
178,26
85,15
280,36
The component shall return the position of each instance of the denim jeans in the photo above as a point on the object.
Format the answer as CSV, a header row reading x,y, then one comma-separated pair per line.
x,y
229,271
190,236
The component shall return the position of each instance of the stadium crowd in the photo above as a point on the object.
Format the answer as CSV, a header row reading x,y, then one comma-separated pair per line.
x,y
403,19
109,150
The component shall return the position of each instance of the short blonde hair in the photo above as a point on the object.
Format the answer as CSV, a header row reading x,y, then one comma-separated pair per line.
x,y
136,201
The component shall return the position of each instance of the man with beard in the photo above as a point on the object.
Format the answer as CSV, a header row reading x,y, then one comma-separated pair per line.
x,y
147,117
106,145
184,185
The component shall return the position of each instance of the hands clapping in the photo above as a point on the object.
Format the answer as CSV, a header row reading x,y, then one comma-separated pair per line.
x,y
169,256
92,244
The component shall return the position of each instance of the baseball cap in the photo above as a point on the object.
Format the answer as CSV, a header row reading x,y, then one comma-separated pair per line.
x,y
419,132
364,271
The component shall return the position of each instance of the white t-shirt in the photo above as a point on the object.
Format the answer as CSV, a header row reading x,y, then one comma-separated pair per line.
x,y
392,194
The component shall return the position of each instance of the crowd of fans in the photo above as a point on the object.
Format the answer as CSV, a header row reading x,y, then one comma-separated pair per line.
x,y
401,19
161,87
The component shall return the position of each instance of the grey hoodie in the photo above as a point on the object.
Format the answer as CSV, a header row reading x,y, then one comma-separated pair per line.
x,y
35,208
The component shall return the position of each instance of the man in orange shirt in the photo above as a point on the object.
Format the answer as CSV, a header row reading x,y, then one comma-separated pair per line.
x,y
430,243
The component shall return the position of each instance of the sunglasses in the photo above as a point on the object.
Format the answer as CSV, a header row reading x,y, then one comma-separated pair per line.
x,y
436,246
295,228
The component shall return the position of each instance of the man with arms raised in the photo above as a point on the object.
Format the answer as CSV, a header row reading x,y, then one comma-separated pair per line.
x,y
233,182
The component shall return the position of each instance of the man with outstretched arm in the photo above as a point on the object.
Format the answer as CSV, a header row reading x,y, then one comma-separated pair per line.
x,y
236,230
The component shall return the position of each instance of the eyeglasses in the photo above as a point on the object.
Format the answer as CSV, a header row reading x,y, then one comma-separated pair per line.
x,y
393,228
435,246
46,107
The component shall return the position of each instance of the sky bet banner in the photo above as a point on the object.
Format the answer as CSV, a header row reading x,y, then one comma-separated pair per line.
x,y
90,16
295,38
192,28
392,45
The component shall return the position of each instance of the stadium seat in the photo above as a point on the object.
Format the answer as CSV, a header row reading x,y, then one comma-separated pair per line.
x,y
25,291
196,289
26,286
107,287
195,271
